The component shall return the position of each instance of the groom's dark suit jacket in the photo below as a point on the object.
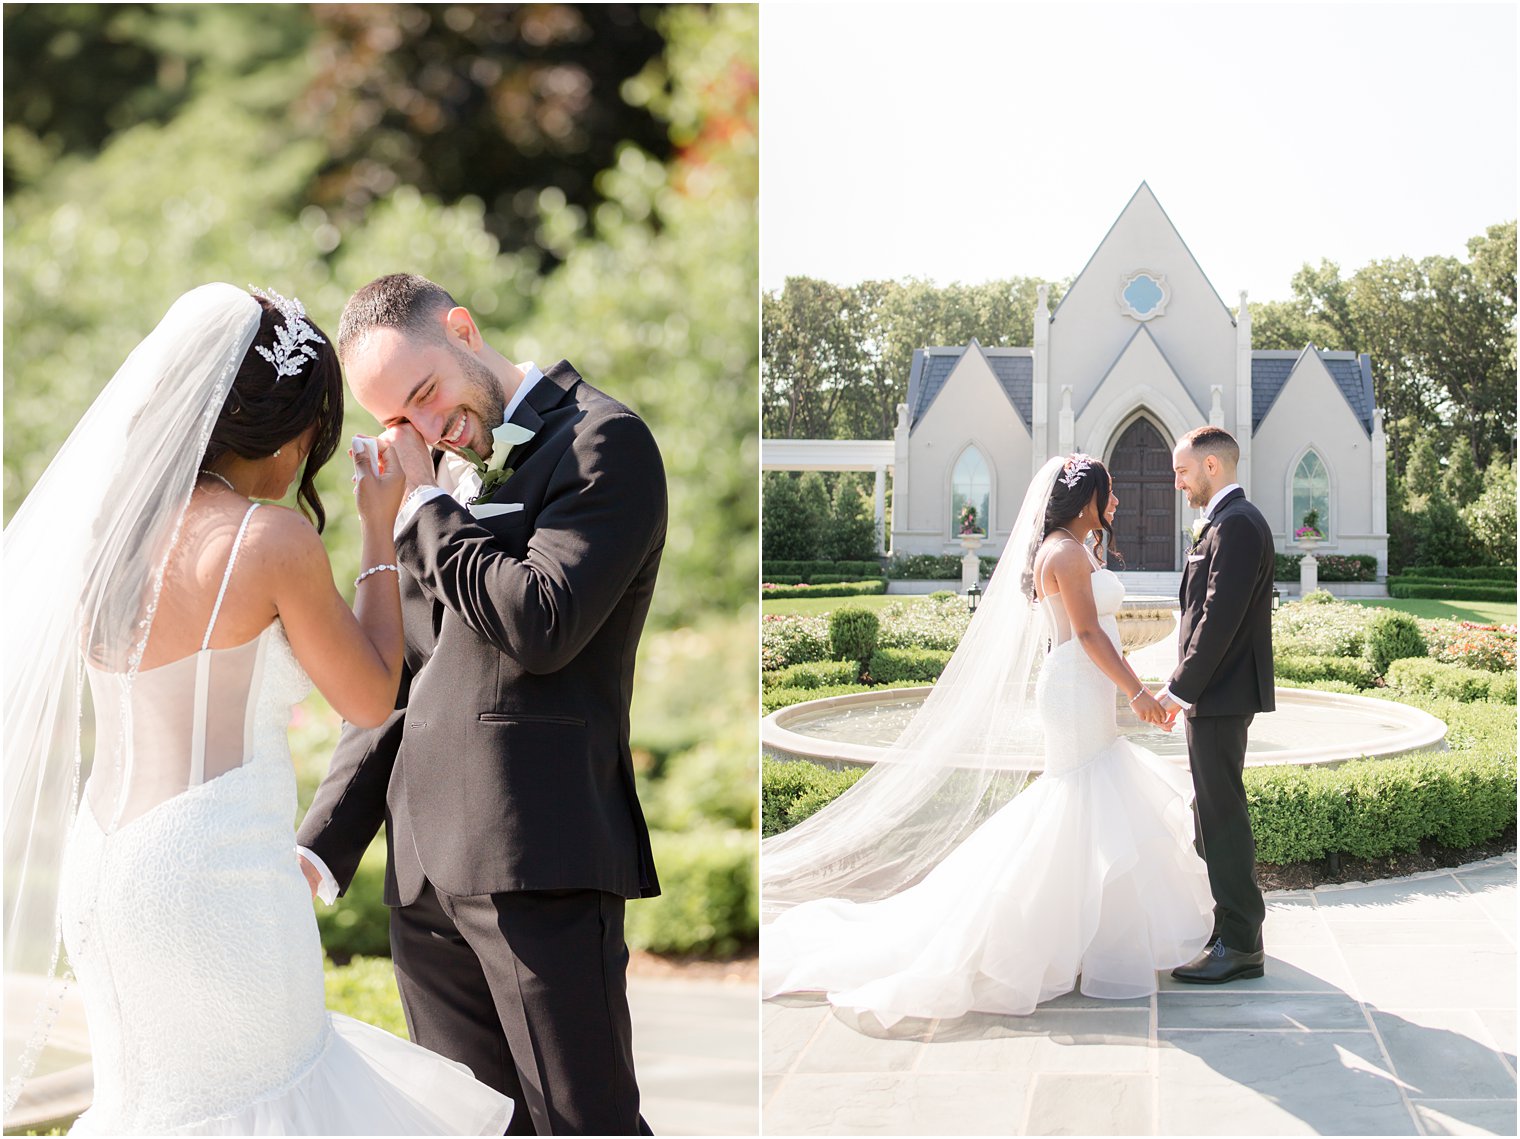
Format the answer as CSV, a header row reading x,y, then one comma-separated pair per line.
x,y
1225,664
506,765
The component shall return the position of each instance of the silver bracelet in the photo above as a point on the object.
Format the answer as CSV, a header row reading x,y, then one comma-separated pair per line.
x,y
1137,696
376,569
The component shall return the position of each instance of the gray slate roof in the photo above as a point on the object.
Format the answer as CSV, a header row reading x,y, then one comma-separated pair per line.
x,y
1352,375
1013,367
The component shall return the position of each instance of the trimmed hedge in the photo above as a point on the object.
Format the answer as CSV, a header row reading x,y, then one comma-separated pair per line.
x,y
1461,573
851,571
843,589
852,634
1369,808
1445,591
1418,674
781,579
1308,669
784,697
1332,567
792,791
923,666
932,567
710,899
813,674
1364,808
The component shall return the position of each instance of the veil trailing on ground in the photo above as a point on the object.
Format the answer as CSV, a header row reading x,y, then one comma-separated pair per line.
x,y
83,560
970,748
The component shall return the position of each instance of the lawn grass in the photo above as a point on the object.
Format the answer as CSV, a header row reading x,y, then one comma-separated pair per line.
x,y
1481,612
814,606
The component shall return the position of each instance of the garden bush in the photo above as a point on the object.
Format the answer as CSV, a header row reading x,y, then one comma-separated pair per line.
x,y
787,639
791,791
1392,636
852,634
1444,591
1420,674
1320,628
922,665
773,698
710,783
1460,573
812,674
1307,668
932,567
358,924
1319,597
1339,686
710,899
1332,567
843,589
849,571
781,579
1489,647
936,622
365,989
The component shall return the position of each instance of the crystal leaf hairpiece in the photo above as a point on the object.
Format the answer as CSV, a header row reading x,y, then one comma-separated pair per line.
x,y
1075,467
293,339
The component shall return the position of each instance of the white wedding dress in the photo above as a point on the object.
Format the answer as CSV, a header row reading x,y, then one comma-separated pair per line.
x,y
1090,872
190,928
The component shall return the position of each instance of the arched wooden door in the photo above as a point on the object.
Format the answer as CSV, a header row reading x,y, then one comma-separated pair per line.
x,y
1146,526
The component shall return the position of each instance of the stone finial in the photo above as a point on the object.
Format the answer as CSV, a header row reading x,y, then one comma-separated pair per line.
x,y
1216,406
1042,295
902,417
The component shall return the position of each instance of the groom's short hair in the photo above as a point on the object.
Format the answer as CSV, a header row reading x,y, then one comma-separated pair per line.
x,y
1213,441
404,301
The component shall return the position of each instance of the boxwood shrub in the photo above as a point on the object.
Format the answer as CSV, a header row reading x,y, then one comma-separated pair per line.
x,y
1392,636
1420,674
814,674
852,634
1332,567
1461,573
1447,591
849,571
838,589
791,791
710,899
921,665
1308,669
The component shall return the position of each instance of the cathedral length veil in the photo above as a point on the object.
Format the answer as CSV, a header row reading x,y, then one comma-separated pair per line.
x,y
83,560
970,748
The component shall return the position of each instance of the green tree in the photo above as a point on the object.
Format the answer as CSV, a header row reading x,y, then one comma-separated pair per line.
x,y
1423,475
852,524
788,533
1462,482
1491,517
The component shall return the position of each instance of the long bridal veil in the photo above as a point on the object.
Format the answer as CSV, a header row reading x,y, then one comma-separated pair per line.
x,y
83,562
971,747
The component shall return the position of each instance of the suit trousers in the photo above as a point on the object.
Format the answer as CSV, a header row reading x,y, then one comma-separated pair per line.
x,y
1217,751
529,990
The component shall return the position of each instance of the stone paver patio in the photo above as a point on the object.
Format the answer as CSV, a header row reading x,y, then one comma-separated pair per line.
x,y
1388,1008
695,1051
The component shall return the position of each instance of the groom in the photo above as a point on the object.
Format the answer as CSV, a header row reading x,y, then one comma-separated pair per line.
x,y
1223,678
504,777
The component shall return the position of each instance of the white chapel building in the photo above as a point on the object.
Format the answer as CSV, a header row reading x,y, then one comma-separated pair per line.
x,y
1140,350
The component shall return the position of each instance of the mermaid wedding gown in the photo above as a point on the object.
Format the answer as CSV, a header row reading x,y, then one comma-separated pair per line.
x,y
190,928
1090,872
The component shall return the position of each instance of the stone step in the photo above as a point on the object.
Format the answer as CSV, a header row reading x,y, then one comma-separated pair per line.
x,y
1156,583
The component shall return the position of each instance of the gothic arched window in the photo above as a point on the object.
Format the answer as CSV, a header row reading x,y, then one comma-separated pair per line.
x,y
1311,491
970,494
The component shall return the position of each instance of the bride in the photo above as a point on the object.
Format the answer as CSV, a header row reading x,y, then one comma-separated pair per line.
x,y
944,881
159,625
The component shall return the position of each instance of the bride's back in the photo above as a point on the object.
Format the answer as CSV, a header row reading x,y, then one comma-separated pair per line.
x,y
185,715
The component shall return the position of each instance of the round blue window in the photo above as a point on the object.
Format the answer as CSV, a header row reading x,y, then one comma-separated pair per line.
x,y
1143,294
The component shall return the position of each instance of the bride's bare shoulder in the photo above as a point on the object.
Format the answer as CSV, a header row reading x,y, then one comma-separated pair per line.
x,y
281,540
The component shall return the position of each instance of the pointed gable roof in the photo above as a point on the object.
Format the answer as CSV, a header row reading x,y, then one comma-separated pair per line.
x,y
1352,373
1143,193
1013,367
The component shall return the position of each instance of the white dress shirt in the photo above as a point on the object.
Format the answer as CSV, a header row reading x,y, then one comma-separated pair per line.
x,y
458,478
1208,515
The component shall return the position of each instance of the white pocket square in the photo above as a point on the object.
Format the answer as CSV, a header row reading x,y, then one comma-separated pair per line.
x,y
1195,557
491,509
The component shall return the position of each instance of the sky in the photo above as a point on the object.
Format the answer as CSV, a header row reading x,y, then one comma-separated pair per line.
x,y
970,142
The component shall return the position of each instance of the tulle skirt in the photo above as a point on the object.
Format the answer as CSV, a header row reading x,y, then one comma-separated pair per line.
x,y
1089,873
363,1082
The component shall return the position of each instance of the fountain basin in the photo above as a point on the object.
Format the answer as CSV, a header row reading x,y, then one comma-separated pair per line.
x,y
1309,728
1145,620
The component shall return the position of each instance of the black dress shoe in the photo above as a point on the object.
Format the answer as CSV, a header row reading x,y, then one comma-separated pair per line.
x,y
1218,964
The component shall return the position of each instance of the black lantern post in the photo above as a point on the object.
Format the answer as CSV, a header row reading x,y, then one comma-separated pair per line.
x,y
974,595
1276,599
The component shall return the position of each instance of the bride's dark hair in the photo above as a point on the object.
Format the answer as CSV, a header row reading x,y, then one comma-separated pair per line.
x,y
263,412
1089,481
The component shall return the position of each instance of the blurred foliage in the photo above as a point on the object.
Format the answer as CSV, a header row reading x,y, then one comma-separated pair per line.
x,y
365,989
215,173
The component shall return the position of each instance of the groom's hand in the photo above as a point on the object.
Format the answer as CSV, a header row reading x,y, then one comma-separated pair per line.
x,y
1170,707
407,448
313,878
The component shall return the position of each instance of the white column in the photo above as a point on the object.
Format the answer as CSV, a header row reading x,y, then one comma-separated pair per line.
x,y
881,508
1380,490
1241,425
1041,426
1068,424
900,473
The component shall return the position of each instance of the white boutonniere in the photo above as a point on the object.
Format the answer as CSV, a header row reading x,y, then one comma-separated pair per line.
x,y
1199,526
494,472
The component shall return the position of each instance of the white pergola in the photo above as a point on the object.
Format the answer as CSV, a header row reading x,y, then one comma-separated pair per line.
x,y
878,455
